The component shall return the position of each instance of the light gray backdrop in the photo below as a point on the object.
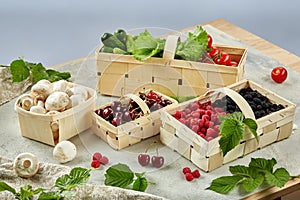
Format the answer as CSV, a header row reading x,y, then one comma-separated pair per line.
x,y
55,31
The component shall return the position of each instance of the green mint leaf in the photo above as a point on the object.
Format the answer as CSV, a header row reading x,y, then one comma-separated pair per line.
x,y
225,184
250,184
77,176
39,72
19,71
119,175
56,76
279,178
232,132
251,125
5,187
140,184
243,171
263,164
26,193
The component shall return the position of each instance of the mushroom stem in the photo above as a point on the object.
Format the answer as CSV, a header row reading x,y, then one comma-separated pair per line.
x,y
26,163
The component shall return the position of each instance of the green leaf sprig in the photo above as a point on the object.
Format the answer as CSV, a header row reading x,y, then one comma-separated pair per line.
x,y
251,177
232,129
21,70
63,187
120,175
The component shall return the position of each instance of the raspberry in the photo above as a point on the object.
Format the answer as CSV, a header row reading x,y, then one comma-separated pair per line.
x,y
189,177
186,170
196,173
95,164
97,156
104,160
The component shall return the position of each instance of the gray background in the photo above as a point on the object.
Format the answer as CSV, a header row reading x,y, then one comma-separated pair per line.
x,y
53,32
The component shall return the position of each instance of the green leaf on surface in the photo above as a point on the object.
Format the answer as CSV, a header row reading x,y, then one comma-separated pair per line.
x,y
250,183
279,178
53,195
225,184
232,132
119,175
5,187
263,164
140,184
243,171
19,71
39,72
77,176
251,125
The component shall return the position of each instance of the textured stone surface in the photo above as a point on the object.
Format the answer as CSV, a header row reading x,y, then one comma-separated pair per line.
x,y
8,89
48,173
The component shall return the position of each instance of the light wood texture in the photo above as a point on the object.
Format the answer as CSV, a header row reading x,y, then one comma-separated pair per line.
x,y
282,55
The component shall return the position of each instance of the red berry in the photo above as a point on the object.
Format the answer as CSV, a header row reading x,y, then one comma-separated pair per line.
x,y
97,156
208,112
202,135
95,164
177,114
189,177
196,173
186,170
104,160
210,132
209,138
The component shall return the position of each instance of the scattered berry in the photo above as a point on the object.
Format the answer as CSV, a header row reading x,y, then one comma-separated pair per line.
x,y
196,173
97,156
104,160
189,177
186,170
95,164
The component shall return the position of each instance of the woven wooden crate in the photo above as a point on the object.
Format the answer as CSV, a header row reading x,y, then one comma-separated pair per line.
x,y
122,74
207,155
70,122
131,132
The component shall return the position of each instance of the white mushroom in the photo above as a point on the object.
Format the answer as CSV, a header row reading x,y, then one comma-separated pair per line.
x,y
41,90
39,108
57,101
26,101
78,90
26,165
44,81
60,86
64,151
75,100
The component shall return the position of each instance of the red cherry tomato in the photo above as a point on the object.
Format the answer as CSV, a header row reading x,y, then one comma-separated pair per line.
x,y
223,59
279,74
209,41
214,52
233,63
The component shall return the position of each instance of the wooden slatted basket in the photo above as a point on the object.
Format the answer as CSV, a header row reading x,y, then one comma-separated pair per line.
x,y
132,132
70,122
122,74
208,155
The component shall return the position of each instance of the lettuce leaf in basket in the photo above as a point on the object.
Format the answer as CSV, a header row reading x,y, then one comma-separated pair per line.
x,y
194,46
146,46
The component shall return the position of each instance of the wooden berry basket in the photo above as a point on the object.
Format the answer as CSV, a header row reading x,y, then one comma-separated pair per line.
x,y
122,74
70,122
208,155
131,132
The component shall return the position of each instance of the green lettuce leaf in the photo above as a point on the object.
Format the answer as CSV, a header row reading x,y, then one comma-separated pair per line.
x,y
225,184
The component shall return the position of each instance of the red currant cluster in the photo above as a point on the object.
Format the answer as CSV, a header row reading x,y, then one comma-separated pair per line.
x,y
144,158
190,175
98,159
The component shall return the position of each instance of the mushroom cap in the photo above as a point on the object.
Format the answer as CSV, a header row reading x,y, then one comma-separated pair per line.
x,y
78,90
64,151
26,165
60,86
57,101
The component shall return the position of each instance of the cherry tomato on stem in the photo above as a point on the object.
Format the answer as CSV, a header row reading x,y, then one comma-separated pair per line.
x,y
209,41
279,74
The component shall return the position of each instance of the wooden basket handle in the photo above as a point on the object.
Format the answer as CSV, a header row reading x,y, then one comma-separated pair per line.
x,y
145,109
237,98
170,47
